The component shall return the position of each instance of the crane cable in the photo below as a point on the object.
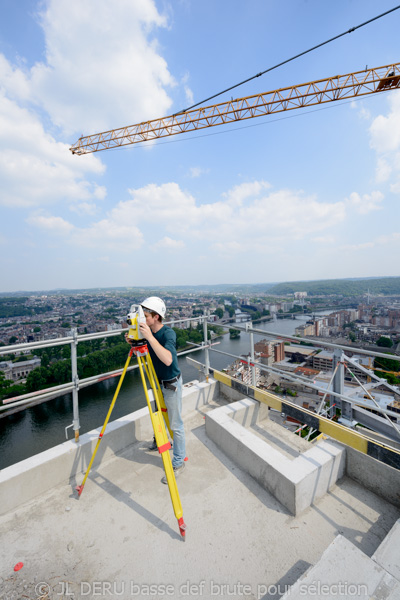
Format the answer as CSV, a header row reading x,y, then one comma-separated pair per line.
x,y
288,60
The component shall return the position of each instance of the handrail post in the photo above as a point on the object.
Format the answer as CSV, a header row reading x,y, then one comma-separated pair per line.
x,y
205,334
75,381
338,380
253,369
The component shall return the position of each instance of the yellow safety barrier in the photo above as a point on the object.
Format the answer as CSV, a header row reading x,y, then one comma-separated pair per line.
x,y
354,439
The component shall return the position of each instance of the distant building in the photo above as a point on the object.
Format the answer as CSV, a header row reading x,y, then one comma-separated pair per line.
x,y
322,361
241,317
20,370
270,351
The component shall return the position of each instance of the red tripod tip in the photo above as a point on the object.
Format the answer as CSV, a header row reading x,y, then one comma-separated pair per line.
x,y
79,489
182,528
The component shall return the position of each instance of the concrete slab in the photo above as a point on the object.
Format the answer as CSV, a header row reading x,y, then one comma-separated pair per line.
x,y
120,539
347,573
388,553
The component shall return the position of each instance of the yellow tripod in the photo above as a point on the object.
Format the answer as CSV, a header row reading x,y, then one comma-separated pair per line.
x,y
146,367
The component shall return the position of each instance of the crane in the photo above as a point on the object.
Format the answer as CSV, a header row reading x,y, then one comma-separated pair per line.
x,y
338,87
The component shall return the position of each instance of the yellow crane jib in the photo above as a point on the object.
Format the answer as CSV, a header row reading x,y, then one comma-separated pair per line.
x,y
303,95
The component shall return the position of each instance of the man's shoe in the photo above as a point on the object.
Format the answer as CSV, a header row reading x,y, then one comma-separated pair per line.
x,y
177,472
153,445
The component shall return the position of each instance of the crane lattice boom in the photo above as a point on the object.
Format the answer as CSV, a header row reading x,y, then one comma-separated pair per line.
x,y
339,87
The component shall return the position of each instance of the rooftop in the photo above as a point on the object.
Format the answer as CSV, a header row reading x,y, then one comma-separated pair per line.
x,y
121,538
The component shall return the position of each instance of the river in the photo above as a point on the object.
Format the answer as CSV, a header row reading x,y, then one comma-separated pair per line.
x,y
36,429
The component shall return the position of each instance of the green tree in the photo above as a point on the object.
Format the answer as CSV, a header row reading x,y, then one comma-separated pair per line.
x,y
12,339
384,342
388,364
37,379
66,351
219,312
44,360
231,310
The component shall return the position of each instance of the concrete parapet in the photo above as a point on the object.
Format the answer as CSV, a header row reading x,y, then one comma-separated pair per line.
x,y
29,478
381,479
295,483
344,571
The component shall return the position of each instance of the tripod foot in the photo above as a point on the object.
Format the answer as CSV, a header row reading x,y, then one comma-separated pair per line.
x,y
79,489
182,528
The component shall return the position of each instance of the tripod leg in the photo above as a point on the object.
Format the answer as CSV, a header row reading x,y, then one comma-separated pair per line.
x,y
155,385
163,446
79,488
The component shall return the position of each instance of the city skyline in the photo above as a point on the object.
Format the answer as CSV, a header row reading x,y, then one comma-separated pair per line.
x,y
294,197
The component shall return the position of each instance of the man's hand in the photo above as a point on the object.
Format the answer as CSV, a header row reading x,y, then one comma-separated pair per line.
x,y
145,331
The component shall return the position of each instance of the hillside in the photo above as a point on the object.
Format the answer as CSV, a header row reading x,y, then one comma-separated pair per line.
x,y
347,287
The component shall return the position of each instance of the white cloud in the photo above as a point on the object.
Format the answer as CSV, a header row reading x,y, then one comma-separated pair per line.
x,y
197,171
188,92
14,80
84,208
385,140
366,203
385,131
102,68
35,169
108,233
326,239
383,170
392,239
168,243
246,212
55,225
241,192
362,112
166,203
100,54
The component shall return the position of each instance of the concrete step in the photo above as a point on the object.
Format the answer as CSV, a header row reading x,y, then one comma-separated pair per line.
x,y
345,572
387,554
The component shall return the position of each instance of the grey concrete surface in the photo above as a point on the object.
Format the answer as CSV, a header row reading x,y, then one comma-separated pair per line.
x,y
120,539
345,572
388,553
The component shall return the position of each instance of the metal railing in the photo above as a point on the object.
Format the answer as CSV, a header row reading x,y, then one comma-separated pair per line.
x,y
73,386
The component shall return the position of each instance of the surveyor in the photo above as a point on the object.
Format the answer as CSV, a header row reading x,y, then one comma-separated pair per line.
x,y
162,348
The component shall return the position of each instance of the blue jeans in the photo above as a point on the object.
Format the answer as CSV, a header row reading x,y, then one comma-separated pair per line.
x,y
173,402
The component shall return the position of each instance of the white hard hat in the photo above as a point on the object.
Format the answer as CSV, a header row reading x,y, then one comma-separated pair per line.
x,y
155,304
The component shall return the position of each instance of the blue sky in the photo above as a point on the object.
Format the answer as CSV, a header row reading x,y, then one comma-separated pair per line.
x,y
308,195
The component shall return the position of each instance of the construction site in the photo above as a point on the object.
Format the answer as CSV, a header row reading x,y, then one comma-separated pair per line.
x,y
280,499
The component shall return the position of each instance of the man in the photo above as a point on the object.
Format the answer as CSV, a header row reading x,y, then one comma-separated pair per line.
x,y
162,348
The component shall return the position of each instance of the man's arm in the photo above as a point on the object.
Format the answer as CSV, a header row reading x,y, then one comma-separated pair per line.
x,y
162,353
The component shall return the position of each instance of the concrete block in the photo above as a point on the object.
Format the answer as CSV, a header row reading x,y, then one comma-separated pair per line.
x,y
247,412
387,554
317,471
345,572
295,483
